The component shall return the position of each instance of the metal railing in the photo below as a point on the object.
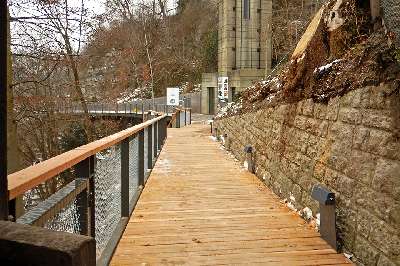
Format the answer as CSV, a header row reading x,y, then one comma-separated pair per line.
x,y
128,108
96,186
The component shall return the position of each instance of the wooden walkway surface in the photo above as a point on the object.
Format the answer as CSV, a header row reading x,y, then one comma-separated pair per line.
x,y
200,207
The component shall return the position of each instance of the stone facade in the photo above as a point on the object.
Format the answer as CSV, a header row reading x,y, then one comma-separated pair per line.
x,y
244,48
351,145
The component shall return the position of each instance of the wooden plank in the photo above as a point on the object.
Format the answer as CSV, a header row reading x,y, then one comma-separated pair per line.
x,y
26,179
200,207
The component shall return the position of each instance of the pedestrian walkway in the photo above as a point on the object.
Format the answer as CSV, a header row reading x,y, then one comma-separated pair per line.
x,y
200,207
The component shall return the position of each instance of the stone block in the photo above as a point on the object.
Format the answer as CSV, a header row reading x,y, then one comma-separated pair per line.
x,y
341,132
362,166
361,135
387,240
339,182
333,109
30,245
380,204
377,119
322,129
365,97
319,172
365,251
382,143
300,122
320,111
308,107
387,178
352,99
350,115
385,261
338,157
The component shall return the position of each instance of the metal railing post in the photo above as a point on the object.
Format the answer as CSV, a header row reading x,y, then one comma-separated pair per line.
x,y
125,178
155,128
185,117
86,199
178,119
165,129
142,112
150,147
141,157
160,133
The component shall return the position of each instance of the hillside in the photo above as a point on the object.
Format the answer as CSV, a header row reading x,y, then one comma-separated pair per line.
x,y
341,51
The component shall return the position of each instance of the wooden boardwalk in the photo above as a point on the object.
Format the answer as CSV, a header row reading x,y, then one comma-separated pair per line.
x,y
200,207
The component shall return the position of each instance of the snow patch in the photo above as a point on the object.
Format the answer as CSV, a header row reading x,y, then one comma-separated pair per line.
x,y
306,213
348,255
213,138
323,69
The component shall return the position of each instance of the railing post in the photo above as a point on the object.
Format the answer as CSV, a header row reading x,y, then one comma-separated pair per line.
x,y
178,119
125,178
160,133
150,147
141,157
86,200
155,128
165,129
185,118
142,112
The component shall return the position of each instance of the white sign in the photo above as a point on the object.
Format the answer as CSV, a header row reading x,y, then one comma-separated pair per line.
x,y
172,96
223,88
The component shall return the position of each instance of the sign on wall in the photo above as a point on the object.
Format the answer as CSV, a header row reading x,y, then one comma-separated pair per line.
x,y
223,88
172,96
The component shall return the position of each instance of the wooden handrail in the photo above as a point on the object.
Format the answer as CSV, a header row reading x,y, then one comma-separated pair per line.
x,y
28,178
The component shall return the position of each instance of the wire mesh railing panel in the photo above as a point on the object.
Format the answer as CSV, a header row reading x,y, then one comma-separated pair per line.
x,y
67,220
133,166
107,194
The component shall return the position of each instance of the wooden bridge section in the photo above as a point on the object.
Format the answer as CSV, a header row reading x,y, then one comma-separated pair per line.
x,y
201,207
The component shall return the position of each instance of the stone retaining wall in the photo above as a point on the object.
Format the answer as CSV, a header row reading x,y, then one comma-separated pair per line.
x,y
351,145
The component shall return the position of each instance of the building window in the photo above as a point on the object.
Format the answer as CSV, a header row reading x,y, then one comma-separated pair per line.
x,y
246,9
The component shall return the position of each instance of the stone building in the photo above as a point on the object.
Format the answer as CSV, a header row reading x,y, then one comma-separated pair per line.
x,y
244,48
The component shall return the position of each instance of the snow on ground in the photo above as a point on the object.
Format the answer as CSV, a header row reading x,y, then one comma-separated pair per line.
x,y
325,68
130,95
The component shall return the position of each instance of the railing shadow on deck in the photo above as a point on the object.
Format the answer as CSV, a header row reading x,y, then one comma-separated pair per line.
x,y
108,176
